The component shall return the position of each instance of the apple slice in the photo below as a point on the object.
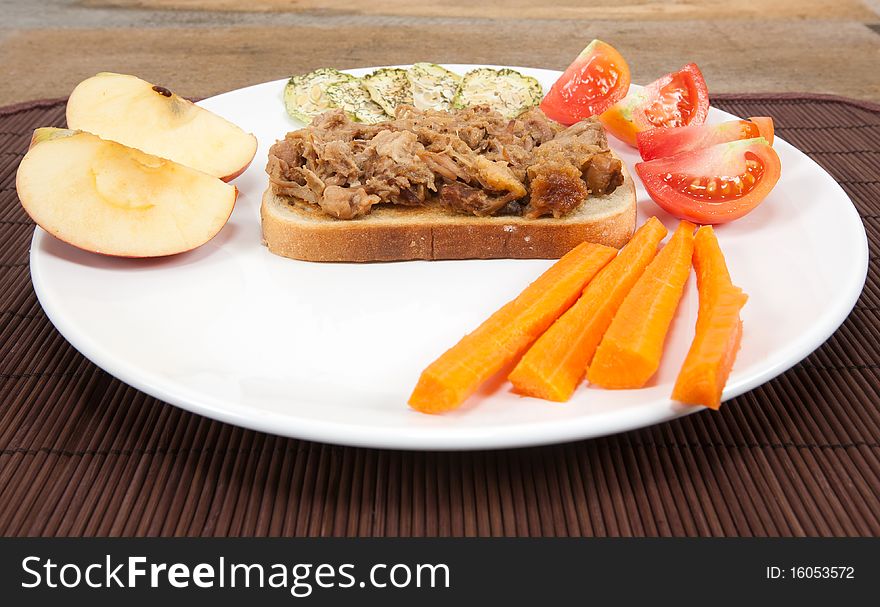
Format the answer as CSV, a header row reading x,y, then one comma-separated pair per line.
x,y
152,119
104,197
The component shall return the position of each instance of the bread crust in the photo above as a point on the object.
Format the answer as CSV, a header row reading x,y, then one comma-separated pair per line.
x,y
298,230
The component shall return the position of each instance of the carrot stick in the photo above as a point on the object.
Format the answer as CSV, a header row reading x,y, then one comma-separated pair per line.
x,y
719,328
630,351
501,339
557,362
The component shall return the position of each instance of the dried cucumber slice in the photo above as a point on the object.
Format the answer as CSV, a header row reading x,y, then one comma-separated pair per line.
x,y
504,90
305,96
389,87
355,101
433,86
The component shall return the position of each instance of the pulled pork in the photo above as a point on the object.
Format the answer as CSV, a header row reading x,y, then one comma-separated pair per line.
x,y
470,161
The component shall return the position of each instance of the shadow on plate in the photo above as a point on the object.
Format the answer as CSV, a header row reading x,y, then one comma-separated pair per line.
x,y
58,249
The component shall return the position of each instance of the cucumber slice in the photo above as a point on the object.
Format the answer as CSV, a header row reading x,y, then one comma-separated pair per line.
x,y
504,90
389,87
433,86
305,95
354,100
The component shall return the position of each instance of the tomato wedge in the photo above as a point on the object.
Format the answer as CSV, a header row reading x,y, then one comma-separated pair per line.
x,y
677,99
597,79
663,142
765,127
713,185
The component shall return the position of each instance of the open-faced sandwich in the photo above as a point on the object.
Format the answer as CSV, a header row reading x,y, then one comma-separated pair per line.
x,y
480,172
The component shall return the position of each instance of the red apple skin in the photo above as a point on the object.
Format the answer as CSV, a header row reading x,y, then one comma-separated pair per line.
x,y
229,178
155,256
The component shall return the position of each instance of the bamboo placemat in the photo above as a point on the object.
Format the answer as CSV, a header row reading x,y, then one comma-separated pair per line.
x,y
83,454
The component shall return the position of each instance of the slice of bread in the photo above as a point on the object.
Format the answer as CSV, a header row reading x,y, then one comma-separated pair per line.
x,y
299,230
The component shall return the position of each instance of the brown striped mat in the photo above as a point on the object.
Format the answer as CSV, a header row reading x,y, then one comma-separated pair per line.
x,y
84,454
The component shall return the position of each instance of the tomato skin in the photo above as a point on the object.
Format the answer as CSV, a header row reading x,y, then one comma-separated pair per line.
x,y
724,160
596,79
677,99
664,142
617,121
765,127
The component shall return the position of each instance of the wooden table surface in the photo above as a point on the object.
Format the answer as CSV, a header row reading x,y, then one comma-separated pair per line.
x,y
200,47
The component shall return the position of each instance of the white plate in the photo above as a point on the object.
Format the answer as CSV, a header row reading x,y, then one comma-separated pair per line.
x,y
330,352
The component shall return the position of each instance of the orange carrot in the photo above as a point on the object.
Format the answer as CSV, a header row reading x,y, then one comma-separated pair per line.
x,y
719,328
557,362
501,339
630,351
